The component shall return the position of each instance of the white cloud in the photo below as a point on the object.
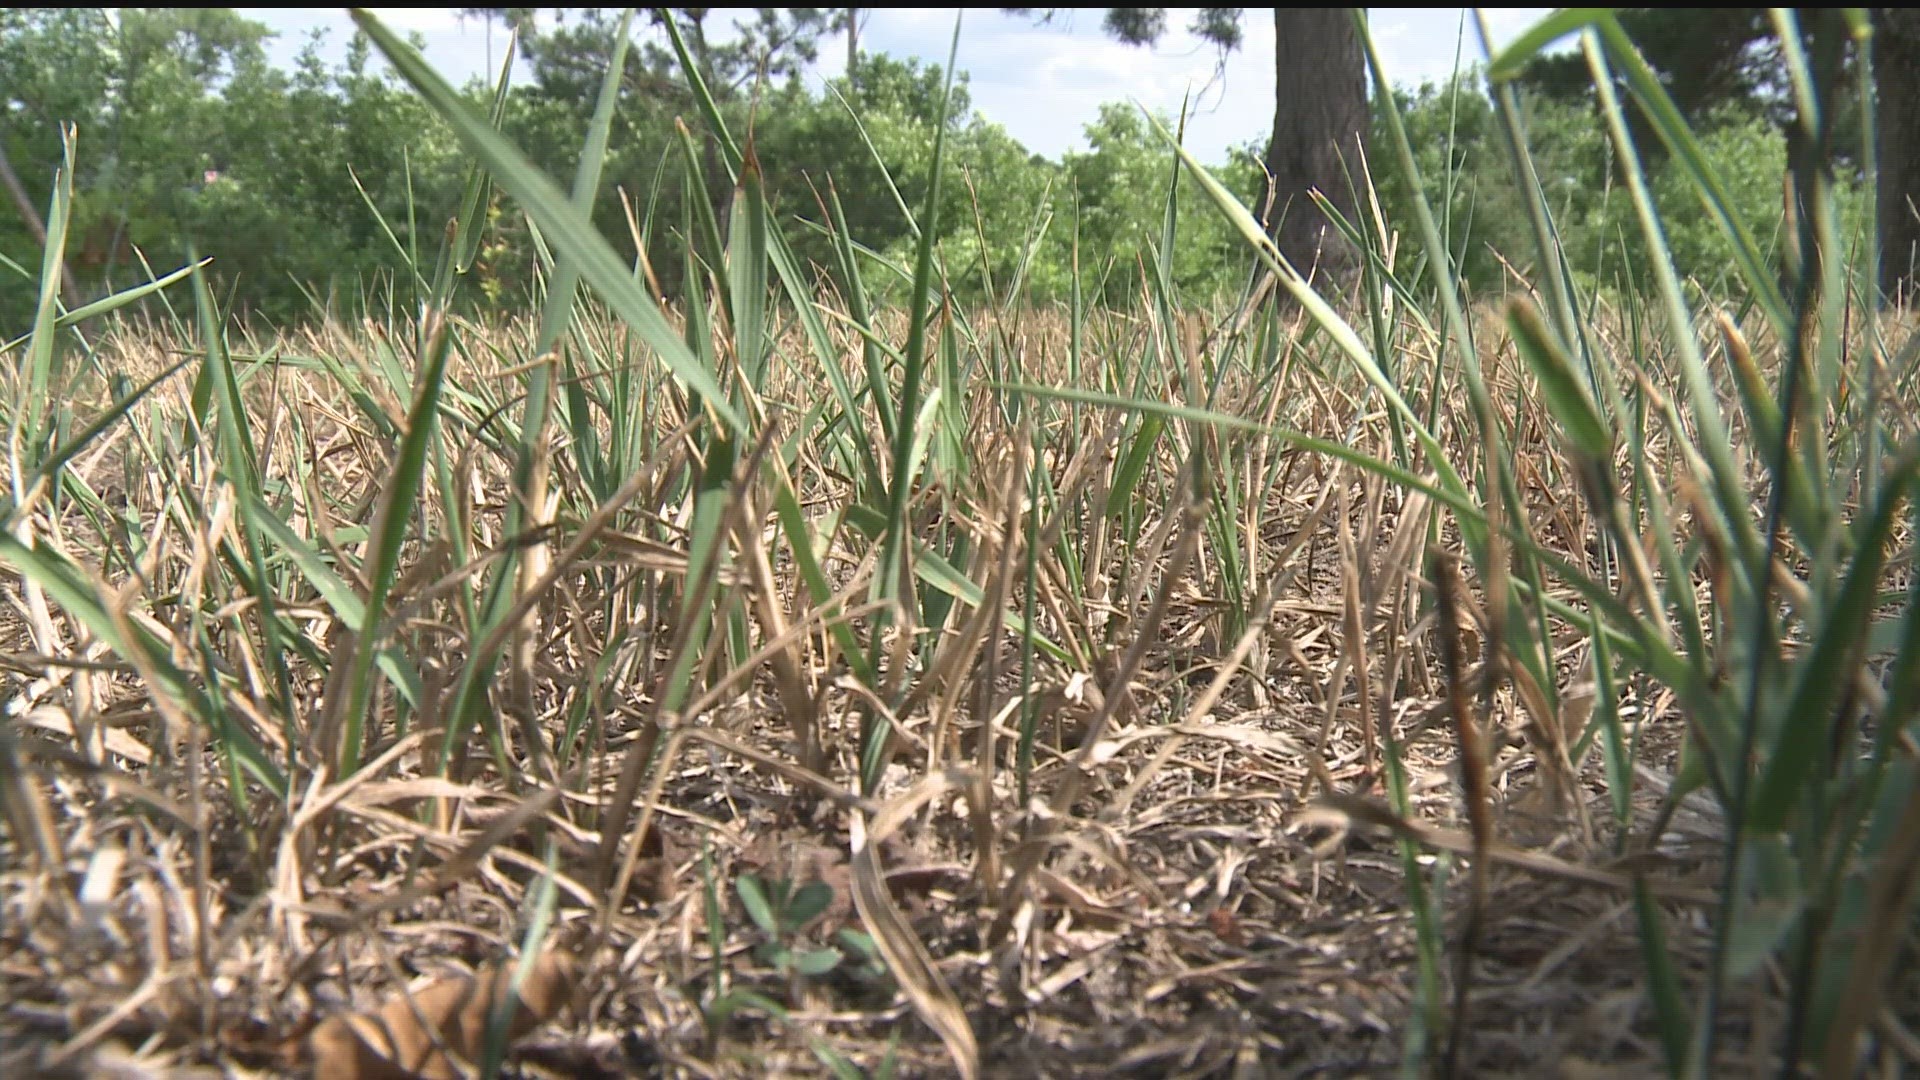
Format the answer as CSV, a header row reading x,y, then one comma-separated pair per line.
x,y
424,20
1388,32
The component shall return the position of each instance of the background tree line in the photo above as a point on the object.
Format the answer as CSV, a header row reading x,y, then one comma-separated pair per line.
x,y
305,184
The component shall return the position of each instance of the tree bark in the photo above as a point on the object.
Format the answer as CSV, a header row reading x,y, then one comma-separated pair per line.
x,y
1319,133
1896,73
853,42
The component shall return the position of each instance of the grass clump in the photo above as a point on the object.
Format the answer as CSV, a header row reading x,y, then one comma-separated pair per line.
x,y
1068,664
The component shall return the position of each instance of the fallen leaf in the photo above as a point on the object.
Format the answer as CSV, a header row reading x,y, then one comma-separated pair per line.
x,y
1225,926
391,1043
906,956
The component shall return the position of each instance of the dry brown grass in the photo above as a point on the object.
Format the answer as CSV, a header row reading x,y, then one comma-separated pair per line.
x,y
1181,897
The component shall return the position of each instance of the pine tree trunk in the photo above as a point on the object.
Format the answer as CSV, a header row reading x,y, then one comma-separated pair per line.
x,y
1896,70
1319,130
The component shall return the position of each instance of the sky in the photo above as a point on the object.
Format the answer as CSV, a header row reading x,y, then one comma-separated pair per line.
x,y
1044,84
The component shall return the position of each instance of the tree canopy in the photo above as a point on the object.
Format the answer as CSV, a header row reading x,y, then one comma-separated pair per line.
x,y
306,184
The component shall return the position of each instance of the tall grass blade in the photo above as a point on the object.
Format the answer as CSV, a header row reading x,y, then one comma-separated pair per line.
x,y
567,228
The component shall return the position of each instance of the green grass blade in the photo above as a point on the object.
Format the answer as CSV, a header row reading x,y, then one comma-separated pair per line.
x,y
1734,520
1673,131
747,267
50,466
391,525
43,357
1789,762
1521,50
68,587
569,230
1663,984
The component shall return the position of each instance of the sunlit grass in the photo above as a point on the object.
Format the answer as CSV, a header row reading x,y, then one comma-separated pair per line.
x,y
962,567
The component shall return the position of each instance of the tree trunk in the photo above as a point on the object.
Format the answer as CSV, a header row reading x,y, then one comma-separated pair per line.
x,y
1319,132
853,43
1896,71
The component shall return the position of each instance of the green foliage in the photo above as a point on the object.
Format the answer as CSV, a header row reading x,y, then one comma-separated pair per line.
x,y
1456,141
1121,185
1778,626
326,182
781,911
1707,57
191,140
322,182
1146,26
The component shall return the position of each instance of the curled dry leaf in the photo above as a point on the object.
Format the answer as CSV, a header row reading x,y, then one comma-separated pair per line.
x,y
391,1043
906,956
